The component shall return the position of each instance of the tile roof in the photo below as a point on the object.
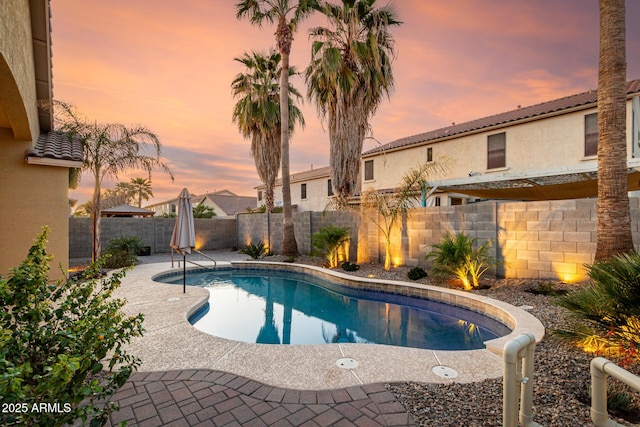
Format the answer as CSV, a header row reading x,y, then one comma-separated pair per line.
x,y
572,101
126,210
57,145
231,204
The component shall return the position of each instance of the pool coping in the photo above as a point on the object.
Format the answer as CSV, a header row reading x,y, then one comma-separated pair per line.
x,y
172,343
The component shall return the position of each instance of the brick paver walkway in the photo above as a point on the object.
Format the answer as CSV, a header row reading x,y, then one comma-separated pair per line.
x,y
213,398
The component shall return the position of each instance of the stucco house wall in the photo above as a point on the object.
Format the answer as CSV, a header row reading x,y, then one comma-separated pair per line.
x,y
31,196
549,142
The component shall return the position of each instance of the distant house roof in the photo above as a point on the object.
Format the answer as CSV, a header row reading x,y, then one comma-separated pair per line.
x,y
323,172
229,202
584,100
56,149
126,211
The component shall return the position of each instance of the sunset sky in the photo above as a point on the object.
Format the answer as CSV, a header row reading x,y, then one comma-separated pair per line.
x,y
168,65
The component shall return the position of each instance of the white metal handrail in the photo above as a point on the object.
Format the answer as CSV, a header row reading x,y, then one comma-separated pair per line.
x,y
517,388
600,368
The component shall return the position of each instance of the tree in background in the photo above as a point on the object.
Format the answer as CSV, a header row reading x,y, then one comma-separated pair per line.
x,y
203,211
288,14
141,189
349,75
257,114
109,149
614,215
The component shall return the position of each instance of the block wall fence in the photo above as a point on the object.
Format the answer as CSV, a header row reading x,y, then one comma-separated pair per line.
x,y
533,240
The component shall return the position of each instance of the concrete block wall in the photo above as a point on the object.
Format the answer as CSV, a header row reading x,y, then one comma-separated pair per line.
x,y
534,240
268,228
215,233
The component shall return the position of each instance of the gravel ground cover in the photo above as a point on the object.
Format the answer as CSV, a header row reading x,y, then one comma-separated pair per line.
x,y
562,378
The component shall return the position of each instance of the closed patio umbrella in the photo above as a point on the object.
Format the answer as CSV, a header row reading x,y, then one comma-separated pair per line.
x,y
183,238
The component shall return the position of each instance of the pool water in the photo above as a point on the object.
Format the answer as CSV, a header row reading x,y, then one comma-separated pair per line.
x,y
270,307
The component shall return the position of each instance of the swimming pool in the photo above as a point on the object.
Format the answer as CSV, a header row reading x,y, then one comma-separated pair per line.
x,y
277,307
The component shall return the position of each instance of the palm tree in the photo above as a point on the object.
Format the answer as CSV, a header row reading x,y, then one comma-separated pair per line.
x,y
203,211
257,114
614,216
385,209
141,187
288,14
349,74
109,149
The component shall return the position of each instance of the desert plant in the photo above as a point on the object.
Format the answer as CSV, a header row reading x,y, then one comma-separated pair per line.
x,y
350,266
457,256
254,250
416,273
62,342
328,241
122,252
607,311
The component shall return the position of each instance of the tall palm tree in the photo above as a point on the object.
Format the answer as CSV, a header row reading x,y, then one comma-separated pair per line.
x,y
349,74
614,217
257,114
141,189
109,149
288,14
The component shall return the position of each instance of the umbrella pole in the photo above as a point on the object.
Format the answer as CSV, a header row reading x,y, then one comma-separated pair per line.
x,y
184,274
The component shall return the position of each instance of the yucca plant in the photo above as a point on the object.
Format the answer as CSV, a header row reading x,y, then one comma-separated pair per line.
x,y
456,256
254,250
607,311
329,240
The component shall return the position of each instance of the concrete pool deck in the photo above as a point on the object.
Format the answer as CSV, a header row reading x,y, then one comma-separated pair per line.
x,y
171,343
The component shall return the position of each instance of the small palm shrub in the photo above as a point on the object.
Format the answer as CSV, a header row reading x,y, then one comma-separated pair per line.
x,y
328,241
62,342
456,256
254,250
416,273
607,311
350,266
122,252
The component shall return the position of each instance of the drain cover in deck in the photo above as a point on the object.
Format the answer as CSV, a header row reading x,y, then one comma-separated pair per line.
x,y
346,363
444,371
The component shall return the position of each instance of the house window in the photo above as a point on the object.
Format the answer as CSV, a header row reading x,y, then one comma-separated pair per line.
x,y
430,154
173,208
591,134
260,195
368,170
329,188
456,201
496,151
437,201
303,191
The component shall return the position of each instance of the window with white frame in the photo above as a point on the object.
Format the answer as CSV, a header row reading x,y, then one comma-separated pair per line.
x,y
430,154
303,191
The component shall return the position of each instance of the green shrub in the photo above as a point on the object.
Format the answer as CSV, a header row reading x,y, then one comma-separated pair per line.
x,y
607,310
457,256
122,252
255,251
416,273
350,266
62,342
328,241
